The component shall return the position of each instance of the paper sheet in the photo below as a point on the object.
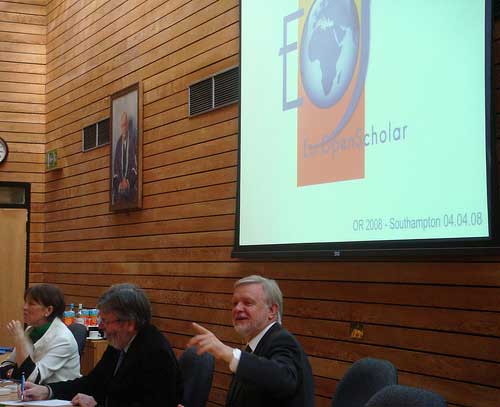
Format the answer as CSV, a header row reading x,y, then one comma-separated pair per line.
x,y
39,403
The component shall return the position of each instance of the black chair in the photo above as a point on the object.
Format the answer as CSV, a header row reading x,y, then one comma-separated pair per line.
x,y
197,374
363,379
397,396
79,331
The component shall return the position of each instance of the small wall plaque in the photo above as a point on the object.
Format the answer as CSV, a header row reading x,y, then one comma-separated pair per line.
x,y
52,160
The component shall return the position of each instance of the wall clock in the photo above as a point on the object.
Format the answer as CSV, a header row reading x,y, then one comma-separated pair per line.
x,y
4,150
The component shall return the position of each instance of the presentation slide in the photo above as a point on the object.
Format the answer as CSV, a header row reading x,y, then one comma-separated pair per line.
x,y
362,121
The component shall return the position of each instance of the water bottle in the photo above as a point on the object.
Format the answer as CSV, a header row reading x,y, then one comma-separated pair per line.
x,y
80,318
71,314
67,319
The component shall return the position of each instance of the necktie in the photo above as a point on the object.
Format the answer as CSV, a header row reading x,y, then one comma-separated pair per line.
x,y
124,158
119,362
248,349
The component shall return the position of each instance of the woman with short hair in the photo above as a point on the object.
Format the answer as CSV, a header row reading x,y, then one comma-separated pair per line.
x,y
47,351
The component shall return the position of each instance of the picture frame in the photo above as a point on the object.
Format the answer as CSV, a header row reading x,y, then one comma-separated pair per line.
x,y
125,192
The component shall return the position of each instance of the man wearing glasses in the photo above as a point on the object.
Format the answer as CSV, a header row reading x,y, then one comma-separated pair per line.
x,y
139,367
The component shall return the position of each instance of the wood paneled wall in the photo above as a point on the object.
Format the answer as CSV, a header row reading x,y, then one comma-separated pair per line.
x,y
438,322
23,27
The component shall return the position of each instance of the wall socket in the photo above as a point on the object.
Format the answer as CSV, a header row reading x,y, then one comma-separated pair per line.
x,y
357,330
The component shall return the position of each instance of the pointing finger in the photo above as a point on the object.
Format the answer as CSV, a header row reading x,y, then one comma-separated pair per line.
x,y
198,328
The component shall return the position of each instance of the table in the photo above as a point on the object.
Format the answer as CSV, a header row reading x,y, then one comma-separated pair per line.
x,y
92,354
13,395
10,396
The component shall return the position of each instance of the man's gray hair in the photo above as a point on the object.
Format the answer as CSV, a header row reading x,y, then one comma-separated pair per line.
x,y
128,302
271,289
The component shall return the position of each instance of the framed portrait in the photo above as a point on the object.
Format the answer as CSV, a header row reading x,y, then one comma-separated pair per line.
x,y
126,149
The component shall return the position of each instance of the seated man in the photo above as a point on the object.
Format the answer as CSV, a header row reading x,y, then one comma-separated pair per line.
x,y
138,369
273,370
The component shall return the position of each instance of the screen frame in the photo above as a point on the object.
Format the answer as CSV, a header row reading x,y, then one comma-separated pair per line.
x,y
400,249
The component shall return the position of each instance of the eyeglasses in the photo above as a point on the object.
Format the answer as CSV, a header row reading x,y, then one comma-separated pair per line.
x,y
103,322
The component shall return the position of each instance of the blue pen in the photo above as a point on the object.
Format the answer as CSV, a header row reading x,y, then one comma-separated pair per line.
x,y
22,386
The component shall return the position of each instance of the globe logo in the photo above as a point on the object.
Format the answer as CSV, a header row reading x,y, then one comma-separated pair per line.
x,y
328,50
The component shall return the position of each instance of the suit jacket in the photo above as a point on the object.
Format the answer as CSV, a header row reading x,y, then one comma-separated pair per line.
x,y
277,374
52,358
125,166
148,375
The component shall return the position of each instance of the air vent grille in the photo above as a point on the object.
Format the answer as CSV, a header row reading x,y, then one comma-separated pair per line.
x,y
95,135
201,97
226,87
219,90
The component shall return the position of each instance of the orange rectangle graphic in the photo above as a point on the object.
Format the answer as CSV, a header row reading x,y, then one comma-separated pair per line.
x,y
331,124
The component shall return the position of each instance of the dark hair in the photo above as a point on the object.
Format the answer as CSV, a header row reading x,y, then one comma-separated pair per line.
x,y
47,295
129,302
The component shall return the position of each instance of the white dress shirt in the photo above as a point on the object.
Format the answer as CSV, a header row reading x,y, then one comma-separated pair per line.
x,y
233,365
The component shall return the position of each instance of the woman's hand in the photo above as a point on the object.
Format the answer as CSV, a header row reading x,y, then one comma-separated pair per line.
x,y
15,329
21,341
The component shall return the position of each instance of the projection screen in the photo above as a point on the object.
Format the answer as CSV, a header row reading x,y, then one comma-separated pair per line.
x,y
364,125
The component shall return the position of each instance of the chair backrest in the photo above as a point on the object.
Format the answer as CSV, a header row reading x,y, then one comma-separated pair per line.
x,y
197,374
363,379
79,331
397,396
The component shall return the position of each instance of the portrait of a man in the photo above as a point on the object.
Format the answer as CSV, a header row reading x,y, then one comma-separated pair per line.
x,y
125,154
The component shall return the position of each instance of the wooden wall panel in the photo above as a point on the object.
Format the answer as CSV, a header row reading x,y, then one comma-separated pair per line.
x,y
23,27
438,321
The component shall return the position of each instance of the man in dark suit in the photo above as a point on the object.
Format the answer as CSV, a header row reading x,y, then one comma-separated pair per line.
x,y
273,370
138,369
125,165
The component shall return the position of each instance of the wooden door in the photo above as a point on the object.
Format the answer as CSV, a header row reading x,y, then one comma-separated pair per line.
x,y
12,268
